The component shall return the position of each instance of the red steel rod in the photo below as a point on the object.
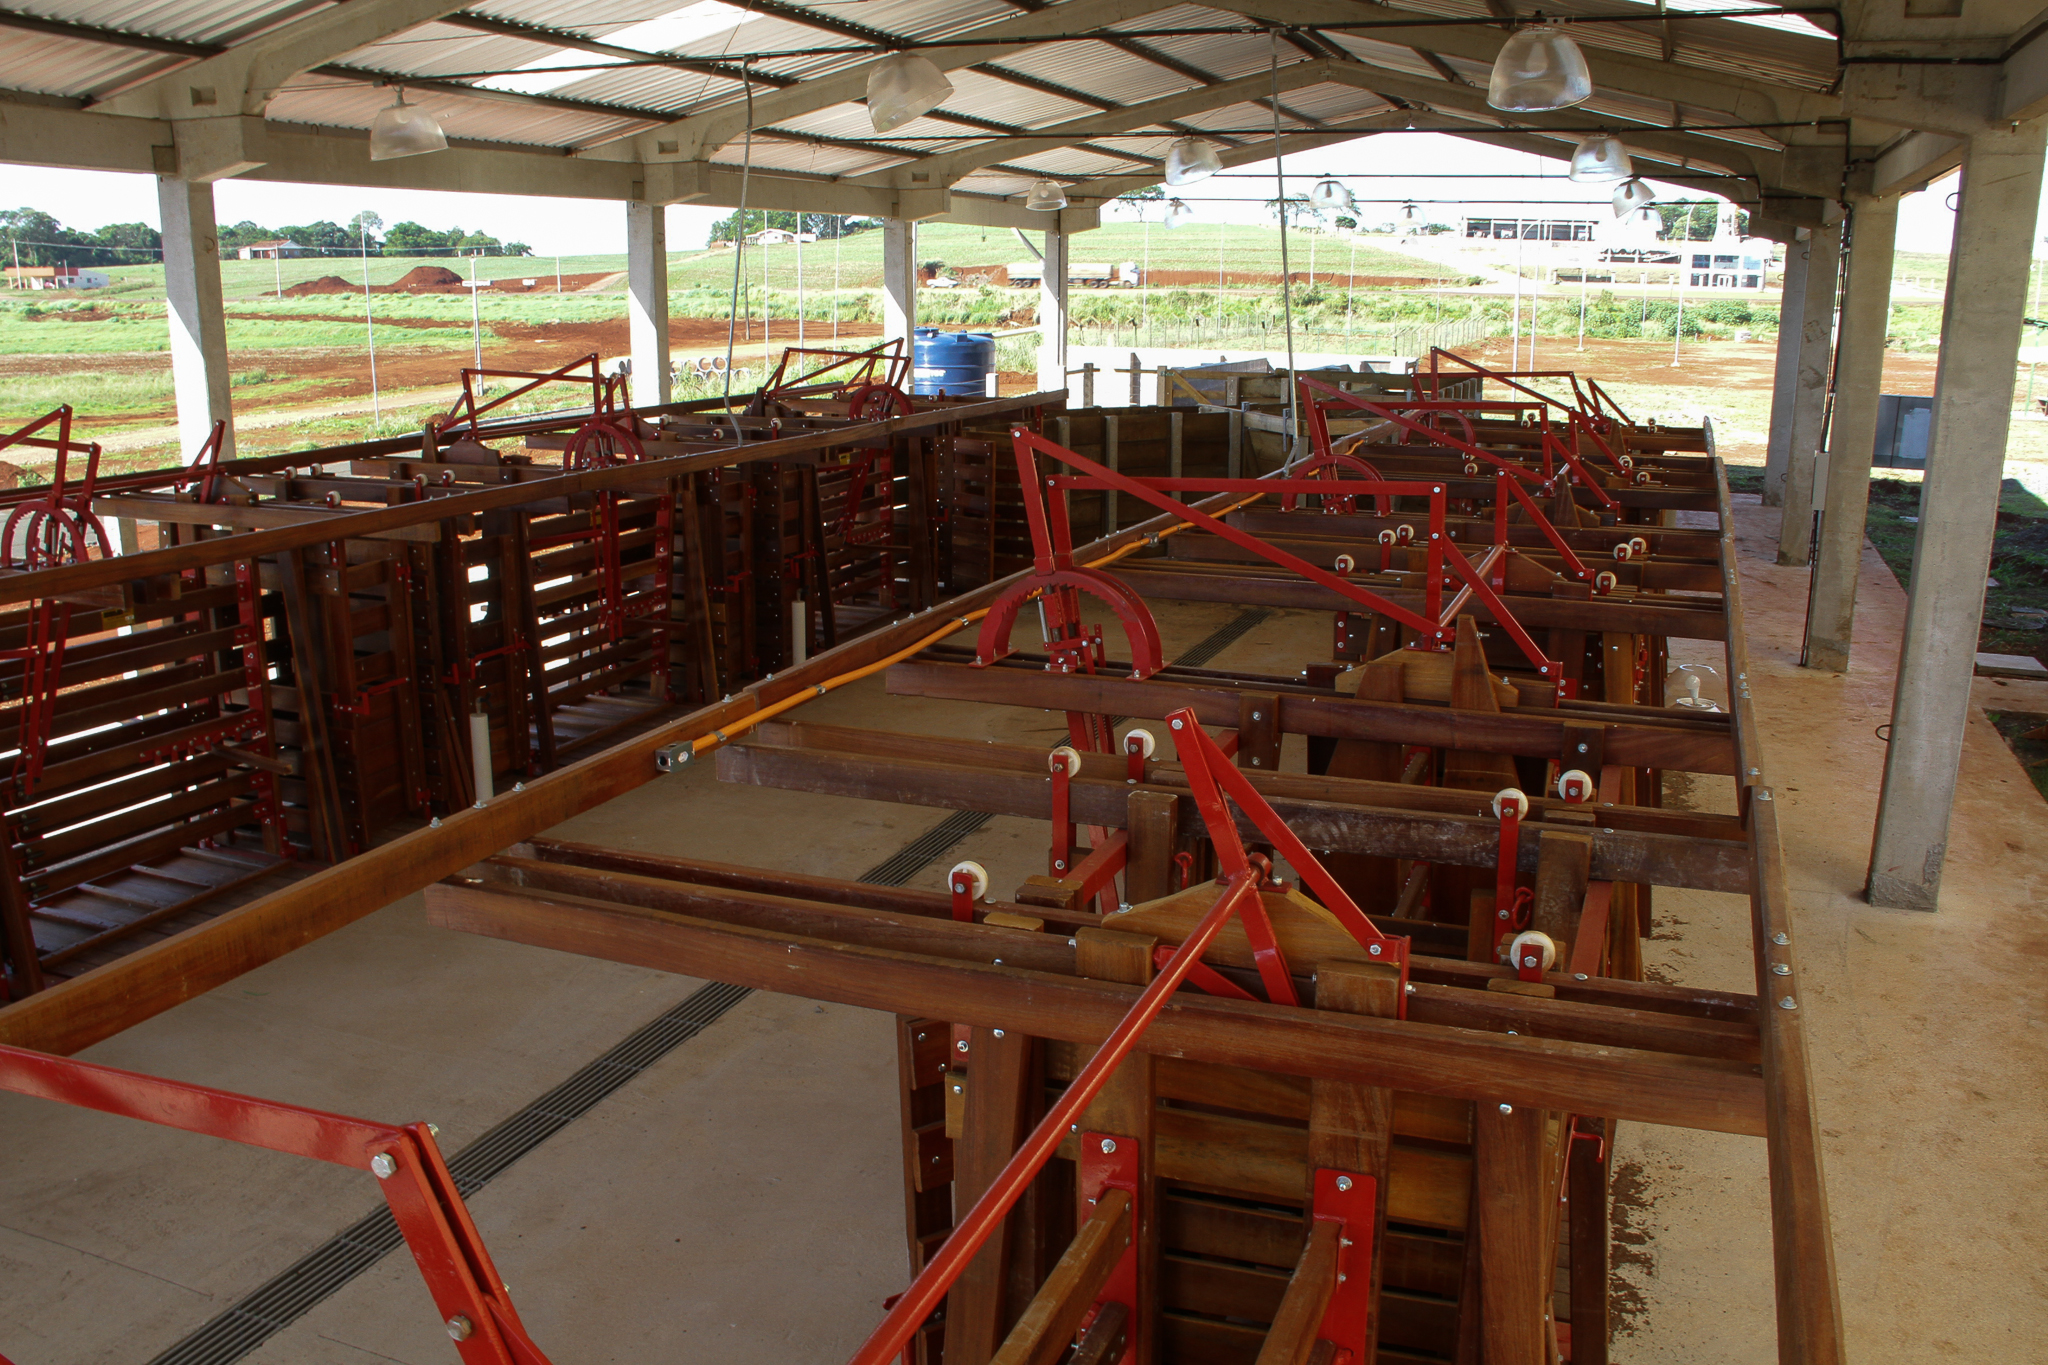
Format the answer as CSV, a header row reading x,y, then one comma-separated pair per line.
x,y
966,1239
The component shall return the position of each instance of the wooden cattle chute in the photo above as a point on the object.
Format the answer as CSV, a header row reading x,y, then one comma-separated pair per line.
x,y
1466,1105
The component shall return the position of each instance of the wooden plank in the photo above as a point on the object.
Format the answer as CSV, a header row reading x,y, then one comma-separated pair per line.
x,y
1587,1171
1351,1127
1564,860
1404,1055
1047,1328
1294,1329
999,1074
1153,818
1513,1190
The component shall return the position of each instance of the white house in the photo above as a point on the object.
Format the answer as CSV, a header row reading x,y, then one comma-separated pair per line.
x,y
779,237
271,250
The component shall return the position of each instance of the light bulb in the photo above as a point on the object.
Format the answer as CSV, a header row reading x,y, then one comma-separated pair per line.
x,y
1190,159
405,130
1539,69
1046,197
1178,214
902,86
1330,196
1631,195
1601,157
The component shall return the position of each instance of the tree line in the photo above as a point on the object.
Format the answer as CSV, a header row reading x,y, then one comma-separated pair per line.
x,y
825,226
31,237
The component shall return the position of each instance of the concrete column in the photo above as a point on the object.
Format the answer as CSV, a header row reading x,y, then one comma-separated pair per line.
x,y
1852,435
1052,314
647,301
1816,352
899,281
199,328
1980,338
1785,382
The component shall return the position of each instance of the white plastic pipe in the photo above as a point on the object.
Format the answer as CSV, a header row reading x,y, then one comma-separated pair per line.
x,y
480,754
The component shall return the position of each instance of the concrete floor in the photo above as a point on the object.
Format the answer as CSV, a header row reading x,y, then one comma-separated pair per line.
x,y
739,1201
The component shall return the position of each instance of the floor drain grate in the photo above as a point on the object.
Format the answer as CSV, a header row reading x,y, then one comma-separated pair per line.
x,y
276,1305
920,852
1243,624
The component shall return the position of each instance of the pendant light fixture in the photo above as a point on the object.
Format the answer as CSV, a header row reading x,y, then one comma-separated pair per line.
x,y
1178,214
1538,70
1330,196
1641,229
1631,195
1599,158
1190,159
1046,197
902,86
405,130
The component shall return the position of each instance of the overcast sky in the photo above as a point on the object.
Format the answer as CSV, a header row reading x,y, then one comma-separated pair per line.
x,y
1384,172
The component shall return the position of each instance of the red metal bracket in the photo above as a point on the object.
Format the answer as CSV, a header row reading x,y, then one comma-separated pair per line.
x,y
1351,1201
1110,1161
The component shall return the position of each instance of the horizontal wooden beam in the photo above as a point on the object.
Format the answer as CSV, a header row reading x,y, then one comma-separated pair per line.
x,y
1429,1059
1689,744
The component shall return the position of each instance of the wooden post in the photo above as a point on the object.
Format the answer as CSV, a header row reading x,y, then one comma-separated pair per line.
x,y
1513,1183
1155,838
1111,458
1588,1170
1563,861
1351,1127
999,1071
1126,1105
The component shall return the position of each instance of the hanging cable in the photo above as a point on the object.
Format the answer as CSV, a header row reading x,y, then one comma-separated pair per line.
x,y
1286,277
739,245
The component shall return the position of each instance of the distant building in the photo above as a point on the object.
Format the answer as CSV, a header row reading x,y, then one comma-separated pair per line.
x,y
54,277
779,237
1532,229
280,249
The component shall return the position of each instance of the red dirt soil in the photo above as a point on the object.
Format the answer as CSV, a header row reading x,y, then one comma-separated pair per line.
x,y
434,279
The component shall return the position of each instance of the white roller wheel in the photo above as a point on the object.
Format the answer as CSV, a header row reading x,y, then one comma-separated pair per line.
x,y
1626,462
1625,551
1637,545
1143,738
1514,796
1386,537
1643,476
977,877
1471,467
1532,942
1344,564
1604,583
1404,533
1582,777
1070,754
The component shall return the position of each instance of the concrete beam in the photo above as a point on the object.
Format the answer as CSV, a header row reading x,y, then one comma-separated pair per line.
x,y
1052,315
198,324
1852,435
1809,405
1785,377
647,300
1980,337
1911,162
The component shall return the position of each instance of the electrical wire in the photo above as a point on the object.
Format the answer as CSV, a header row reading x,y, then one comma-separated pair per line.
x,y
739,245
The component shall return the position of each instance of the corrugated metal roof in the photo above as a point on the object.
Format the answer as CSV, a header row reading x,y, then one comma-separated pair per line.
x,y
350,104
193,21
47,65
1098,69
1016,103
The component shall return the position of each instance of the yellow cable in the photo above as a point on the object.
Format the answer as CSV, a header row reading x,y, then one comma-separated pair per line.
x,y
727,733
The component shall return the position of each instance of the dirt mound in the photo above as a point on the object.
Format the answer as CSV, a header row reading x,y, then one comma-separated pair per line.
x,y
426,277
1198,278
326,284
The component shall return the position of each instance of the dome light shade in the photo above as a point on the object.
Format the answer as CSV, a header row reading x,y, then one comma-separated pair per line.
x,y
902,86
1178,214
1601,158
1539,69
1642,228
1631,195
1046,197
1190,159
405,130
1330,196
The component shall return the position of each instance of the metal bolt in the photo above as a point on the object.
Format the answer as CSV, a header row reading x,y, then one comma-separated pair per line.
x,y
1507,1109
460,1327
1503,914
1582,748
1788,1003
1578,976
1411,989
1257,716
1176,725
434,823
1342,1277
1374,949
999,1033
1762,795
1255,763
434,1129
382,1166
1781,938
961,1045
1108,1146
1781,969
1343,1183
1059,864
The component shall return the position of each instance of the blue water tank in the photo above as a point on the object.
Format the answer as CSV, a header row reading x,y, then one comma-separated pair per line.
x,y
951,364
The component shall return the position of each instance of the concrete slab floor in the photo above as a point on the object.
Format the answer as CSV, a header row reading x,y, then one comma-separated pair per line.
x,y
740,1200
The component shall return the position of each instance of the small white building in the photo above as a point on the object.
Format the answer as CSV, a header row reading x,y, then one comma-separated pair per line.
x,y
54,277
279,249
779,237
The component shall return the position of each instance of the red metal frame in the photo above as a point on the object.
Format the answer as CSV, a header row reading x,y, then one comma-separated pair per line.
x,y
1112,1161
1351,1201
889,354
470,1295
463,417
